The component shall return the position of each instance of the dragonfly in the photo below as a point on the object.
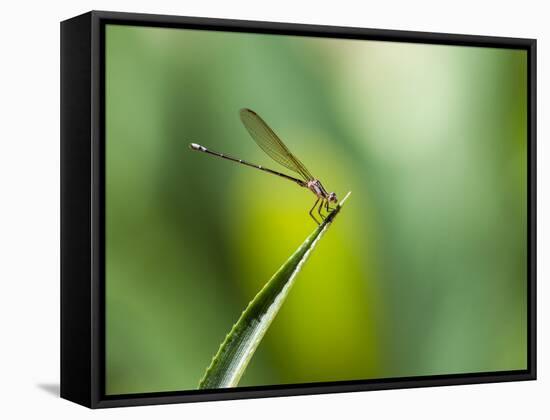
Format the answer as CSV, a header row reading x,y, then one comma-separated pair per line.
x,y
274,147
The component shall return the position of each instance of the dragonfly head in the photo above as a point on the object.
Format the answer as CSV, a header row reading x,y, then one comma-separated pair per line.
x,y
332,198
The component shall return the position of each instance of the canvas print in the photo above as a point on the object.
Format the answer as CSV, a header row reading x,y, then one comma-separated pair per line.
x,y
285,210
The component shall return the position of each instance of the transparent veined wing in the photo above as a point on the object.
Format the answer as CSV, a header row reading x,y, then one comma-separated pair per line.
x,y
271,144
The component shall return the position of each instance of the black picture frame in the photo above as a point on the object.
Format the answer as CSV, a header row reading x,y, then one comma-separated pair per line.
x,y
83,212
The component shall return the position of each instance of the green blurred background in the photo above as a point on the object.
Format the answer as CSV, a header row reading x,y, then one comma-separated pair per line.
x,y
423,273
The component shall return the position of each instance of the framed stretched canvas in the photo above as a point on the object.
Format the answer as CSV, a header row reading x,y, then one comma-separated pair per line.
x,y
256,209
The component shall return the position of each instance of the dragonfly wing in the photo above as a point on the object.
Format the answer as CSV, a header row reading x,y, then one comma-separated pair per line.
x,y
270,143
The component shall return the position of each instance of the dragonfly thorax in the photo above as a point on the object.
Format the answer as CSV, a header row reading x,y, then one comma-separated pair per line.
x,y
317,188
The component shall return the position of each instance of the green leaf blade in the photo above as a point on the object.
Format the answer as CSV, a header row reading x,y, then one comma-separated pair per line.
x,y
235,352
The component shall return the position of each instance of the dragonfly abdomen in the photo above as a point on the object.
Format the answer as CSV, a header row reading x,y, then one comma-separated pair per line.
x,y
199,148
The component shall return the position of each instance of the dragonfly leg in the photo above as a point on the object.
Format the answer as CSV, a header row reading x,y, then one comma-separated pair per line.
x,y
320,209
311,211
330,209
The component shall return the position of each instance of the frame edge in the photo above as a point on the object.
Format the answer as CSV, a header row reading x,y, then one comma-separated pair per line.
x,y
76,264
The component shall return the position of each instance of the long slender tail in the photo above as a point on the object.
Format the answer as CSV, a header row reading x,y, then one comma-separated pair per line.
x,y
199,148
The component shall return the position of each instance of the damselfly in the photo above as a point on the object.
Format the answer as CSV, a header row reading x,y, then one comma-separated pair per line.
x,y
271,144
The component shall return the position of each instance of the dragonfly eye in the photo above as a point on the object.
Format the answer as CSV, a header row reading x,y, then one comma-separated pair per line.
x,y
332,198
